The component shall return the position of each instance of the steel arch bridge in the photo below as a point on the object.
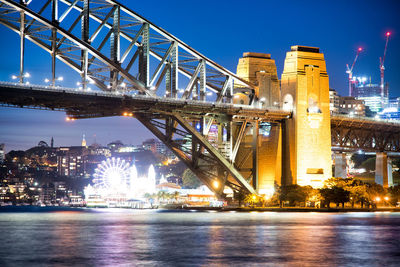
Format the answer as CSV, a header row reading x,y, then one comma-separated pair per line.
x,y
123,53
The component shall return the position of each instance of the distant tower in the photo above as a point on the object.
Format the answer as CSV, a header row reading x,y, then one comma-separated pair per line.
x,y
83,141
52,142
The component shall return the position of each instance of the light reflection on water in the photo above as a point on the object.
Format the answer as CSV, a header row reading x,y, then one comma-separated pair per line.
x,y
132,238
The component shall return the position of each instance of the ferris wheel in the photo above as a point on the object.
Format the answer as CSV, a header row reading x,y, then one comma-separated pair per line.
x,y
113,173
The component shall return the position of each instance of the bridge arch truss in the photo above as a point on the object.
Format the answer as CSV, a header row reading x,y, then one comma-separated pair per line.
x,y
117,49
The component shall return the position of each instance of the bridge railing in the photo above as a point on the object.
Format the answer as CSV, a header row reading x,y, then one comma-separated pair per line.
x,y
365,119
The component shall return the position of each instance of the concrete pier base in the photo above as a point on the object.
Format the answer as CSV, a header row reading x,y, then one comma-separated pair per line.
x,y
381,169
340,165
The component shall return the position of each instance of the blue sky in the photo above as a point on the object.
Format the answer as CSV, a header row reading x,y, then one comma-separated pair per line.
x,y
221,30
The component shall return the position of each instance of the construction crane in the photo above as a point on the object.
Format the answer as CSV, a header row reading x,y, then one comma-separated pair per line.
x,y
350,72
382,69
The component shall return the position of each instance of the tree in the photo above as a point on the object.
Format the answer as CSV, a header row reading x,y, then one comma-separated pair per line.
x,y
394,193
357,189
341,196
251,199
375,190
190,180
358,192
161,195
239,196
336,195
369,164
176,195
358,159
295,194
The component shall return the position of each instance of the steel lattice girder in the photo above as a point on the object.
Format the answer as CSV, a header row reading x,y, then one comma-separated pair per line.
x,y
81,54
369,136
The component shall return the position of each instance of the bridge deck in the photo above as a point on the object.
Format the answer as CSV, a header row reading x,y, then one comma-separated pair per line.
x,y
87,104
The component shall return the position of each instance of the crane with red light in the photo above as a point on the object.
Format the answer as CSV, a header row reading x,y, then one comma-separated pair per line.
x,y
350,72
382,69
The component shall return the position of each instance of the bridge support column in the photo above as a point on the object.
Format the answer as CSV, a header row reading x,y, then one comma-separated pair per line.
x,y
383,170
54,19
255,151
22,48
340,165
269,157
390,172
85,38
115,47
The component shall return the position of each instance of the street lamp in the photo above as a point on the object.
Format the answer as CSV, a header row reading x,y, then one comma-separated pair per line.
x,y
21,77
61,78
377,200
215,184
386,200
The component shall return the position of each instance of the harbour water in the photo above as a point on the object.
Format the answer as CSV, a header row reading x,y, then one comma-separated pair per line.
x,y
117,237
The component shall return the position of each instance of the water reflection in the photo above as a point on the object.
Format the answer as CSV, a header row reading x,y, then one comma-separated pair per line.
x,y
114,238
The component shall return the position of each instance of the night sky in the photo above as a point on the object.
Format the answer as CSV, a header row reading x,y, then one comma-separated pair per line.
x,y
222,31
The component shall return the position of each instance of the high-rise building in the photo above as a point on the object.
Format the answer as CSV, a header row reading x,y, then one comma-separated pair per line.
x,y
71,161
2,153
157,147
334,101
371,94
394,102
392,112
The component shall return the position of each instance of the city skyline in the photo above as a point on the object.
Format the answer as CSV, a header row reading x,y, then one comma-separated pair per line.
x,y
219,40
199,133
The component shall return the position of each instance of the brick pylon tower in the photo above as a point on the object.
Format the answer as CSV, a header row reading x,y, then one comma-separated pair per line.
x,y
306,147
